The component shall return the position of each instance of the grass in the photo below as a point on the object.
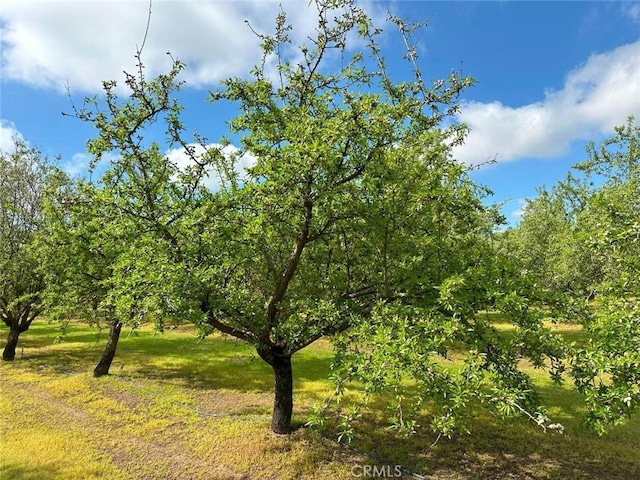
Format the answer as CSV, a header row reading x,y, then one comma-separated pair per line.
x,y
178,408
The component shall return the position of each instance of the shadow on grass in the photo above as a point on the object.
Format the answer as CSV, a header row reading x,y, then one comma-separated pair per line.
x,y
212,363
36,337
13,471
507,448
215,363
500,449
570,333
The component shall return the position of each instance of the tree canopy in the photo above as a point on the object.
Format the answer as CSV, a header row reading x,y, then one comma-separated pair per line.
x,y
354,217
25,175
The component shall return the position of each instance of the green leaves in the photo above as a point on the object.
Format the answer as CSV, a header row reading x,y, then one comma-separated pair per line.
x,y
581,240
25,176
122,249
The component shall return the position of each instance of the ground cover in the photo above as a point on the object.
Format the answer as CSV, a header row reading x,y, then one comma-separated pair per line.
x,y
179,408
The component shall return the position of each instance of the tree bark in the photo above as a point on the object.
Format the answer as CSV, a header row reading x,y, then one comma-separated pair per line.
x,y
283,399
9,352
109,350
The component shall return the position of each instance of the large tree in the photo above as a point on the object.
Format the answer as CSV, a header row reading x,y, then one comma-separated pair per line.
x,y
353,216
24,176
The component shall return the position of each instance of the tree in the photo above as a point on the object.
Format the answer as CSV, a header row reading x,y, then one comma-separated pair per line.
x,y
607,369
302,259
80,254
581,240
109,244
546,242
353,216
24,177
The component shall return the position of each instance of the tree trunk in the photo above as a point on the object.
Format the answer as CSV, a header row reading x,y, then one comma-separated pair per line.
x,y
109,350
9,352
283,400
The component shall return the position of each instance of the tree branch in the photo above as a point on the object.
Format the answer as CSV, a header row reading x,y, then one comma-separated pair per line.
x,y
289,271
224,328
336,329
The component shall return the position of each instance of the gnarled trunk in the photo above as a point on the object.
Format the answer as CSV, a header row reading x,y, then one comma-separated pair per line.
x,y
9,352
283,399
109,350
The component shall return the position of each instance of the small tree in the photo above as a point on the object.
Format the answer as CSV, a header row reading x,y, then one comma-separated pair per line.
x,y
80,254
546,242
24,177
121,248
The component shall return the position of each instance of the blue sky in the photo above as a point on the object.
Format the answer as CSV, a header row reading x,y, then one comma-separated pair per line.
x,y
550,75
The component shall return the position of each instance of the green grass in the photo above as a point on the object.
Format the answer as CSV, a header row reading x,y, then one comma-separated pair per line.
x,y
175,407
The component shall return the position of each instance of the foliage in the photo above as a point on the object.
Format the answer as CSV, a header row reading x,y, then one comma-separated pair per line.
x,y
113,243
547,243
608,369
24,177
355,218
581,239
119,250
354,222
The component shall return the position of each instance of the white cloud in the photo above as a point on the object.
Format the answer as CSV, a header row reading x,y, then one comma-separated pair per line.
x,y
596,97
80,162
212,179
47,44
632,10
8,133
519,212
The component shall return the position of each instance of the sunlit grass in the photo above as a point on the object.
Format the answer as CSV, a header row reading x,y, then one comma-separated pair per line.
x,y
176,407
